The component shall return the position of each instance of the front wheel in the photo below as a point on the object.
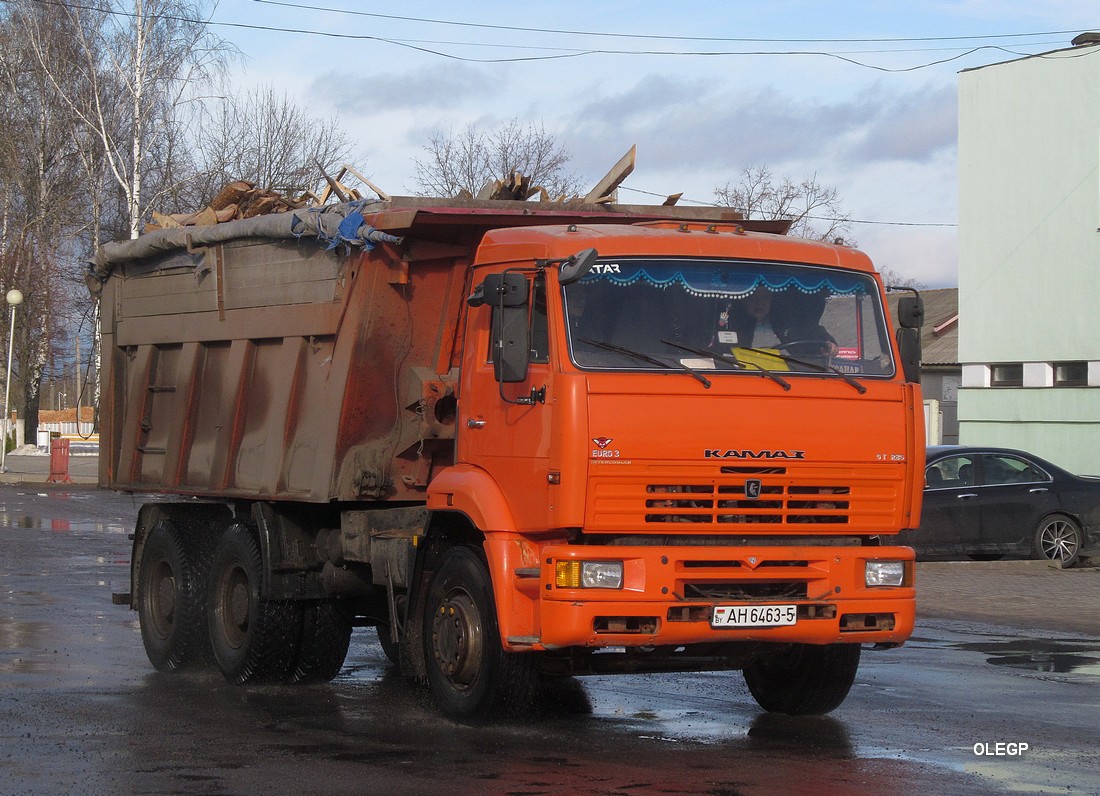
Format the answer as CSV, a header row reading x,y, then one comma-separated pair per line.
x,y
470,676
803,679
1057,539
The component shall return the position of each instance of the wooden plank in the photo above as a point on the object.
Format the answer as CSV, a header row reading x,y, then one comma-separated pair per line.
x,y
381,194
614,178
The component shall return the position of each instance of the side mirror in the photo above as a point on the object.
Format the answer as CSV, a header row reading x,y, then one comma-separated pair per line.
x,y
500,290
511,343
910,348
911,312
506,295
577,266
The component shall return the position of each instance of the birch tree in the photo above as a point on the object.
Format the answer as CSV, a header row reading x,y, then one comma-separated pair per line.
x,y
139,63
41,211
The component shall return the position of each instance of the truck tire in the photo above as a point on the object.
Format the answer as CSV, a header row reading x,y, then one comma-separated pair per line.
x,y
803,679
171,599
253,639
390,648
326,632
470,676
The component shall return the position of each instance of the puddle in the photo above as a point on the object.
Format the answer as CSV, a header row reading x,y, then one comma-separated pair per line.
x,y
59,524
1052,656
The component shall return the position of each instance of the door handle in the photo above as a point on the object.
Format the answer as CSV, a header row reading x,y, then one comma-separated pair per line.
x,y
1038,489
471,423
967,495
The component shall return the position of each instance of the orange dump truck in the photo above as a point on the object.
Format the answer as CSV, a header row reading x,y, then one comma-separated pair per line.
x,y
521,440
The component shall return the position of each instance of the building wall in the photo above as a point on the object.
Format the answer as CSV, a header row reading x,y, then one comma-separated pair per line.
x,y
1029,253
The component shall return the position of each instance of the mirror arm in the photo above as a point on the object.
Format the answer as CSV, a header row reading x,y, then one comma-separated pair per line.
x,y
537,396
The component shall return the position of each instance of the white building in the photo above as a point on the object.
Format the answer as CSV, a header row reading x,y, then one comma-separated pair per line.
x,y
1029,255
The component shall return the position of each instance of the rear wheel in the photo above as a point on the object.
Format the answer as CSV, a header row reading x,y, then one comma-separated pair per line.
x,y
326,631
389,646
171,598
803,679
470,676
1057,539
252,638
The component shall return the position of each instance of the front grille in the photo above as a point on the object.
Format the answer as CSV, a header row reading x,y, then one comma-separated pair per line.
x,y
668,503
650,498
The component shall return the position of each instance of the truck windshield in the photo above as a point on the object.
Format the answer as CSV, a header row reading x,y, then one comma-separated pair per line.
x,y
727,316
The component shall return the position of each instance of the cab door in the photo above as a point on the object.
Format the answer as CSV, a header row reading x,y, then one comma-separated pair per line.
x,y
504,426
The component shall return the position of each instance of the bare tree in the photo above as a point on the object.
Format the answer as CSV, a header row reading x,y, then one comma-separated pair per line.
x,y
264,137
814,209
39,166
139,63
466,161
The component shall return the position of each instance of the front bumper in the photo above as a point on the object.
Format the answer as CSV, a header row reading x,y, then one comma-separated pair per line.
x,y
669,593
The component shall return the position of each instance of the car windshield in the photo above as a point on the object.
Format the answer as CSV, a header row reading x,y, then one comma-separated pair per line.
x,y
727,316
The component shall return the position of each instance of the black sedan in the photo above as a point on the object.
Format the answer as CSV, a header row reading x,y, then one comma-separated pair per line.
x,y
987,503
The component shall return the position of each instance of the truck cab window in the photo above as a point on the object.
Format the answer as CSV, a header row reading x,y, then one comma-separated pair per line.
x,y
714,314
540,326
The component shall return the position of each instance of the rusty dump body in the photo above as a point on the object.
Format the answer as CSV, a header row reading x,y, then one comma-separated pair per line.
x,y
655,472
282,369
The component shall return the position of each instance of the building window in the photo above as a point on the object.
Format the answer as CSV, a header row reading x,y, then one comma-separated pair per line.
x,y
1071,374
1006,375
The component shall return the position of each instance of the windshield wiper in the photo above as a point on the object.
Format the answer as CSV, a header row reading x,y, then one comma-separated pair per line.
x,y
823,368
630,352
733,360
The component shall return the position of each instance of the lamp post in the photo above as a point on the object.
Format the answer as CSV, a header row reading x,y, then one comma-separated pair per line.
x,y
15,298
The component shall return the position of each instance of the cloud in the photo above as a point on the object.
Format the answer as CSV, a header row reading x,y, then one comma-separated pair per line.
x,y
914,126
678,123
439,87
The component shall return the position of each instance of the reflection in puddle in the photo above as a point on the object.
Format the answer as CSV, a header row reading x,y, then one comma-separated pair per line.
x,y
1055,656
59,524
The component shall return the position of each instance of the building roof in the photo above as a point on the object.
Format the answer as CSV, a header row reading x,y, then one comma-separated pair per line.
x,y
940,333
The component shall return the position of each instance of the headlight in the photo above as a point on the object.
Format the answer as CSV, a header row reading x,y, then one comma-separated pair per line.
x,y
589,574
884,573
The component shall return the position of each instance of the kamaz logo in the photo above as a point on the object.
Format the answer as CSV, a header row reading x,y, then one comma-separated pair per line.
x,y
718,453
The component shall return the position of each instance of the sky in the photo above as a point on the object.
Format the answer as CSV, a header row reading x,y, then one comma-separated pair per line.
x,y
861,95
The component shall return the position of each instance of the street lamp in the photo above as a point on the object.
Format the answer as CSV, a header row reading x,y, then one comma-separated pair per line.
x,y
15,298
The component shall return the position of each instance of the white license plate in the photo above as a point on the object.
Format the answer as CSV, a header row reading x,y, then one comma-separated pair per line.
x,y
754,615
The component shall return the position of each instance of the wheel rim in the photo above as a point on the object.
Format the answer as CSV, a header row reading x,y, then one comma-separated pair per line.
x,y
1058,540
162,599
457,639
235,606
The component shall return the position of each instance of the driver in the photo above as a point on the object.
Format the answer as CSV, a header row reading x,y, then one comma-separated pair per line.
x,y
760,324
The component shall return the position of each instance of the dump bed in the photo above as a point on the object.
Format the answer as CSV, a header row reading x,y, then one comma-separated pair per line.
x,y
308,356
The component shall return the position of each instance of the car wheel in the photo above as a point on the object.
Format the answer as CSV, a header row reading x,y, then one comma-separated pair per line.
x,y
1057,539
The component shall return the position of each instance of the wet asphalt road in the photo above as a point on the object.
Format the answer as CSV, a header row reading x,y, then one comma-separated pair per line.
x,y
81,710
